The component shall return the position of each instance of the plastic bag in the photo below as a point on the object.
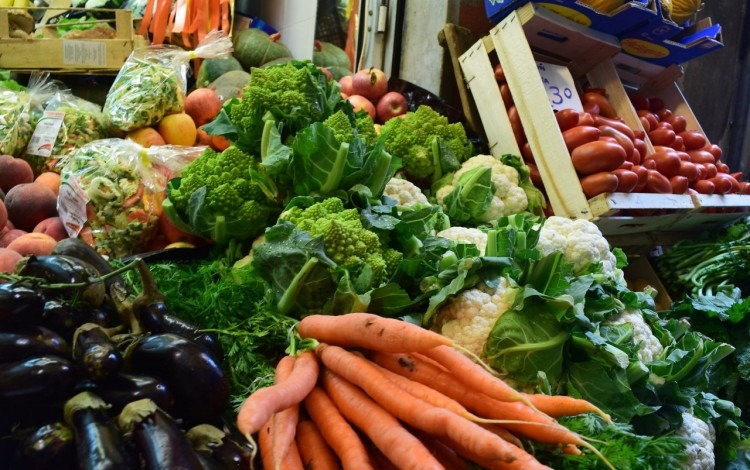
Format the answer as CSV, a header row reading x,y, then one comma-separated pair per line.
x,y
111,193
68,122
153,81
19,111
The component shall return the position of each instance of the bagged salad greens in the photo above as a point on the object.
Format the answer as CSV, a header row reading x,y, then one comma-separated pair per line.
x,y
153,81
68,122
19,111
112,189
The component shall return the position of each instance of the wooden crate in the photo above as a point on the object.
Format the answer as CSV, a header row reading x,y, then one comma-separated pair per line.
x,y
52,54
517,43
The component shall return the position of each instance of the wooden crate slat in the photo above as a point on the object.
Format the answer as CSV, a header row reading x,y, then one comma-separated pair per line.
x,y
608,204
708,201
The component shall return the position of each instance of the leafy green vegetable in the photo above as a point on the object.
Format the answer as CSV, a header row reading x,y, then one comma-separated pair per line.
x,y
472,195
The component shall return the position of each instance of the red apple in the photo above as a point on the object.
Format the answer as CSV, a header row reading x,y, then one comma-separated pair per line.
x,y
390,105
346,84
360,102
370,83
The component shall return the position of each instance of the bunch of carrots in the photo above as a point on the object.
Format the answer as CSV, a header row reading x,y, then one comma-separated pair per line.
x,y
382,393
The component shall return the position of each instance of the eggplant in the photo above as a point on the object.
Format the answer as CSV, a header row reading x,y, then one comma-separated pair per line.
x,y
201,389
64,317
99,444
154,316
38,378
219,446
120,389
62,270
95,352
115,286
50,446
160,442
19,303
26,341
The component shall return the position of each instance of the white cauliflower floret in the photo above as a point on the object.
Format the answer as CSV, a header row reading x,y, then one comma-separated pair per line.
x,y
469,318
509,198
466,235
582,244
649,347
404,192
700,437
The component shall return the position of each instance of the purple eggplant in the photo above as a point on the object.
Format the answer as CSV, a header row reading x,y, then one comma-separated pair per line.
x,y
40,378
95,352
19,342
62,270
120,389
50,446
19,303
220,447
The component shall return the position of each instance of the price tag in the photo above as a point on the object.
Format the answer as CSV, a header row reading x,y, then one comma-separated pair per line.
x,y
560,87
45,134
71,204
89,53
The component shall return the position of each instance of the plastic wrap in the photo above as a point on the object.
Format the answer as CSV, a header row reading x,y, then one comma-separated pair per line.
x,y
19,111
153,81
111,192
68,123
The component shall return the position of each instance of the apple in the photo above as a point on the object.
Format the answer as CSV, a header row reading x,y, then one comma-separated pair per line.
x,y
390,105
360,102
346,84
370,83
326,72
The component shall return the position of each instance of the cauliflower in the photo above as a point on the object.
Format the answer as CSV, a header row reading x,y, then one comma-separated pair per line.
x,y
469,318
404,192
460,198
649,347
466,235
581,242
700,437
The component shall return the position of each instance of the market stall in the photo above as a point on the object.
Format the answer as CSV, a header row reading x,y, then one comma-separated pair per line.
x,y
244,258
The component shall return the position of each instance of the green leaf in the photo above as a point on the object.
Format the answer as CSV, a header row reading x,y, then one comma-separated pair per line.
x,y
471,197
318,160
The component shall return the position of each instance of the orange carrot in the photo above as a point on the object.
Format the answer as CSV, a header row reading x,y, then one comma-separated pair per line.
x,y
260,405
504,433
445,455
411,410
284,432
557,406
265,443
370,331
315,452
472,374
148,13
159,23
213,16
336,431
225,26
396,443
268,436
292,459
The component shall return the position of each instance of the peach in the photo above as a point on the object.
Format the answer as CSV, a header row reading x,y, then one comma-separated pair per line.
x,y
3,215
178,129
202,104
30,203
33,244
53,227
49,179
146,137
8,260
14,171
219,142
10,236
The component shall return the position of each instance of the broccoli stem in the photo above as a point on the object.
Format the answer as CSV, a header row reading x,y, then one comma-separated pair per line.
x,y
265,139
380,174
288,300
438,167
337,171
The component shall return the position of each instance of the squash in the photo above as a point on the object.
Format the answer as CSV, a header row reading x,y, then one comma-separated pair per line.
x,y
338,72
213,68
279,61
326,54
684,10
230,84
253,48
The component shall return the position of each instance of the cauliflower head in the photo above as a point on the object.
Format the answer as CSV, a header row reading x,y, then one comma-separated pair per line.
x,y
466,235
404,192
582,244
469,318
649,347
507,198
700,437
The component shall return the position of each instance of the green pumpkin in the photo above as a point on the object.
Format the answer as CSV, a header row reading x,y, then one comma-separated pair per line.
x,y
326,54
338,72
230,84
211,69
253,48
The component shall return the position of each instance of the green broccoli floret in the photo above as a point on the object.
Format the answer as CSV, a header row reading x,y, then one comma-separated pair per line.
x,y
345,240
412,138
230,206
343,126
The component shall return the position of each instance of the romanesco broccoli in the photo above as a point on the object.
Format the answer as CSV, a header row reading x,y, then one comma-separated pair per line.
x,y
412,138
343,126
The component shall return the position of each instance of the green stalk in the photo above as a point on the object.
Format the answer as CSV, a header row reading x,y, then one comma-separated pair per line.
x,y
337,171
380,174
287,300
265,139
438,167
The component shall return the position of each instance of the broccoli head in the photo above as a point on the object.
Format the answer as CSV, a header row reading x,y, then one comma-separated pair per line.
x,y
423,139
344,126
215,198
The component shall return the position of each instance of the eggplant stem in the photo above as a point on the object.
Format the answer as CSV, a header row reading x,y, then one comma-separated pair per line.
x,y
92,280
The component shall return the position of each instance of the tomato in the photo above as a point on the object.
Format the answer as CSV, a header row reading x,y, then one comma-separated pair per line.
x,y
586,119
661,136
723,185
505,94
679,184
678,122
579,135
678,144
694,140
642,173
641,146
626,180
653,121
597,156
621,139
601,101
689,171
619,125
701,156
655,104
528,157
715,151
591,108
667,162
499,73
658,183
704,186
598,183
639,101
536,177
663,114
664,125
516,126
645,123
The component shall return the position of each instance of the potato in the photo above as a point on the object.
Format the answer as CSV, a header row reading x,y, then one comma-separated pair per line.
x,y
8,260
30,203
33,244
9,236
14,171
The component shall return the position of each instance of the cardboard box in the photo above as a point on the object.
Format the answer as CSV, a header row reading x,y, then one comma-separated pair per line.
x,y
631,15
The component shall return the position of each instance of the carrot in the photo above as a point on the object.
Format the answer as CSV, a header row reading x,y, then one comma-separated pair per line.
x,y
557,406
148,13
159,23
336,431
213,16
472,374
445,455
315,452
284,433
265,443
370,331
504,433
411,410
292,459
270,433
396,443
225,26
260,405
